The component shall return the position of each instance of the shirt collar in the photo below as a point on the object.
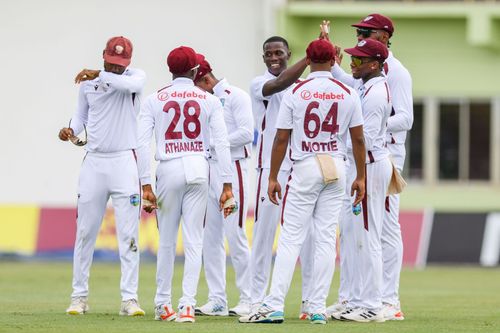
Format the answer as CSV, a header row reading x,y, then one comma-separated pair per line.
x,y
373,81
183,80
316,74
220,87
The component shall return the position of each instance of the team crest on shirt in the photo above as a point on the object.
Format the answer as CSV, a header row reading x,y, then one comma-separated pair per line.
x,y
135,200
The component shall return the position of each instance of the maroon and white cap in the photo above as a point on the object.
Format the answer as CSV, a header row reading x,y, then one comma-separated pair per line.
x,y
118,51
369,48
320,51
204,68
181,59
376,21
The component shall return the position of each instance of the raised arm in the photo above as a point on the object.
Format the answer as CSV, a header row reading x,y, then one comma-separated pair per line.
x,y
285,79
132,80
400,86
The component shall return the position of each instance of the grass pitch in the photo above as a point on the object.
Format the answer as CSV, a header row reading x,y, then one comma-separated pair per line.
x,y
34,296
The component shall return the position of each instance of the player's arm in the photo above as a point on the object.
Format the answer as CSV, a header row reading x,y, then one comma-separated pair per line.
x,y
400,86
146,123
132,80
285,79
218,133
359,152
280,145
376,109
79,120
241,108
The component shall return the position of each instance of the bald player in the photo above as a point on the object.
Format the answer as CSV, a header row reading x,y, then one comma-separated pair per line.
x,y
108,104
185,119
315,116
239,123
266,92
381,28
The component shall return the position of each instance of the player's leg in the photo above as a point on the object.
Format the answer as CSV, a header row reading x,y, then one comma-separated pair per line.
x,y
325,219
368,236
263,236
126,197
194,207
392,244
299,201
234,228
214,254
92,198
306,258
169,193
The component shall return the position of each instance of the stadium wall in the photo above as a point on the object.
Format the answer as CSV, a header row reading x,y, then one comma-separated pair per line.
x,y
428,237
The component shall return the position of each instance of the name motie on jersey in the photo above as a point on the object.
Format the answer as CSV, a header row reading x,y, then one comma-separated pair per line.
x,y
319,146
179,147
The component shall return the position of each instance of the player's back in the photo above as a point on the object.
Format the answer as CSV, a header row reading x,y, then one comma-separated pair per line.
x,y
181,113
321,111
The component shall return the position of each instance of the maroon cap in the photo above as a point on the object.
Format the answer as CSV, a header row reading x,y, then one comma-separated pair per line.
x,y
181,59
204,67
320,51
118,51
369,48
376,21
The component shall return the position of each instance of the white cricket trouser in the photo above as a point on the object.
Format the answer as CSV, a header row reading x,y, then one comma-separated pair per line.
x,y
392,242
367,258
214,254
105,175
180,192
347,247
308,202
267,217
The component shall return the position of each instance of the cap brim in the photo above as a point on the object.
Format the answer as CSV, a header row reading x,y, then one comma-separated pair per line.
x,y
366,25
116,60
358,53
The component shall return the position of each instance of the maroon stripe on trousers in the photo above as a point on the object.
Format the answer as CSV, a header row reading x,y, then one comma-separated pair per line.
x,y
257,199
364,203
387,208
370,157
242,193
284,198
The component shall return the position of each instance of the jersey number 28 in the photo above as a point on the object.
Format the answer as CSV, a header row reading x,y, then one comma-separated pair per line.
x,y
191,125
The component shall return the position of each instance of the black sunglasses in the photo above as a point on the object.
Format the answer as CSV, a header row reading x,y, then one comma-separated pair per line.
x,y
365,32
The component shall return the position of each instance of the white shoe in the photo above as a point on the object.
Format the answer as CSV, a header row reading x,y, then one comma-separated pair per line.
x,y
362,315
242,309
255,307
265,314
130,307
337,307
185,314
78,306
338,315
304,311
212,308
392,312
165,312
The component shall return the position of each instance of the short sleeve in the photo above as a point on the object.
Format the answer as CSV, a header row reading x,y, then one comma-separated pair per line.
x,y
285,115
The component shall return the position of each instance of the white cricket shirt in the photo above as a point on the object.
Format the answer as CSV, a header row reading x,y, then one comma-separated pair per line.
x,y
265,111
185,119
400,87
108,108
319,110
238,118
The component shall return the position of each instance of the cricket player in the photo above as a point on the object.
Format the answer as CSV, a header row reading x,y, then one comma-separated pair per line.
x,y
315,116
108,104
185,119
239,123
381,28
365,292
266,92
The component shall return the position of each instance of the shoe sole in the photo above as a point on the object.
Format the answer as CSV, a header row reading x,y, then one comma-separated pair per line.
x,y
135,314
265,321
75,313
171,318
315,322
184,320
200,313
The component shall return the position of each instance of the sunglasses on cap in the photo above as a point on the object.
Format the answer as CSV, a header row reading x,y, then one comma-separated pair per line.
x,y
357,61
365,32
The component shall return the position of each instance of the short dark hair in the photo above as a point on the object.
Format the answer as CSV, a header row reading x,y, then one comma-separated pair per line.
x,y
275,39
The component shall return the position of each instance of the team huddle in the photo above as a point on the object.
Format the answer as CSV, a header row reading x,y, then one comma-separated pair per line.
x,y
330,151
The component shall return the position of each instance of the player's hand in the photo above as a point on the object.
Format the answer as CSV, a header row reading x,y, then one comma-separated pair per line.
x,y
324,30
273,188
86,74
148,199
338,55
65,133
227,194
358,187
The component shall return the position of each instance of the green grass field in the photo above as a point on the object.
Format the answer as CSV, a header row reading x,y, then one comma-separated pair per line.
x,y
34,296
